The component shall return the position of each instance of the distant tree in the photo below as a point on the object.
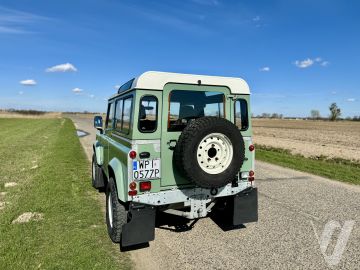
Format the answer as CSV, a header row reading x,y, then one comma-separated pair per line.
x,y
315,114
274,115
335,111
281,116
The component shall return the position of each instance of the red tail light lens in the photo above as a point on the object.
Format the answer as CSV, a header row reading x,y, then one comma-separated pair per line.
x,y
132,192
132,154
251,148
145,186
251,173
132,185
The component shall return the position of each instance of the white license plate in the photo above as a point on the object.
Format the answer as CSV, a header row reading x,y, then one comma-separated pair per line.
x,y
146,169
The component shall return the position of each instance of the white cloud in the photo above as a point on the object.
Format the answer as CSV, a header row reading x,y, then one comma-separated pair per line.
x,y
77,90
67,67
17,22
11,30
309,62
333,92
324,63
304,63
256,19
351,99
21,93
264,69
28,82
91,96
117,86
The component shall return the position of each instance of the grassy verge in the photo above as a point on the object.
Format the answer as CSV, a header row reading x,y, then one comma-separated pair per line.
x,y
46,161
337,169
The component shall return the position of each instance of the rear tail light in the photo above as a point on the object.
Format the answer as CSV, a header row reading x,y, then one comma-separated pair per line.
x,y
251,148
132,186
132,192
132,154
145,186
251,176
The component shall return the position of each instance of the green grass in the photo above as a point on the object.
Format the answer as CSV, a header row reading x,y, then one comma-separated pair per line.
x,y
337,169
72,234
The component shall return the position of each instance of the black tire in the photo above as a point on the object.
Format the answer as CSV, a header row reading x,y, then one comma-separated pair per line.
x,y
185,153
117,211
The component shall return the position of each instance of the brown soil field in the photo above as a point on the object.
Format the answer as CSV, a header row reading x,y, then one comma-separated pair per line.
x,y
310,138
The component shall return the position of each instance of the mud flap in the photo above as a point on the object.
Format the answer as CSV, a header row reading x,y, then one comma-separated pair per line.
x,y
245,207
141,225
99,179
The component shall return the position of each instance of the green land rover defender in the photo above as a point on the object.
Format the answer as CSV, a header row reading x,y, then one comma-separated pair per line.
x,y
179,144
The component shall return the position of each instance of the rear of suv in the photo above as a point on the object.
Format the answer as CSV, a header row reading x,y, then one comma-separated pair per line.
x,y
179,144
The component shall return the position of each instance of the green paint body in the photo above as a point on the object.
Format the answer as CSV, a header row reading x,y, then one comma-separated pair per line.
x,y
112,148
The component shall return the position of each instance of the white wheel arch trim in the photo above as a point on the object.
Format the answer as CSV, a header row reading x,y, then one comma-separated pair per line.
x,y
93,169
110,210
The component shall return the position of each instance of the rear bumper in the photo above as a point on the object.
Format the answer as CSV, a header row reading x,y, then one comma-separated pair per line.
x,y
185,195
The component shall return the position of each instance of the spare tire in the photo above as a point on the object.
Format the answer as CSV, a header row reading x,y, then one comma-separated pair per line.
x,y
210,152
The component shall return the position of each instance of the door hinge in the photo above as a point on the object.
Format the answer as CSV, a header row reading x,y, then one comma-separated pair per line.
x,y
233,97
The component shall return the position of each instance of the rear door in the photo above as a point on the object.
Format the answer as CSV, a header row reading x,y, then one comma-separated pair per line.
x,y
183,103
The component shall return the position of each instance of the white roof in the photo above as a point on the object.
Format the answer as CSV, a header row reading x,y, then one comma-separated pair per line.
x,y
157,80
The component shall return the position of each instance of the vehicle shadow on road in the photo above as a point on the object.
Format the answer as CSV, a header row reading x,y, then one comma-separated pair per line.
x,y
174,223
224,221
134,247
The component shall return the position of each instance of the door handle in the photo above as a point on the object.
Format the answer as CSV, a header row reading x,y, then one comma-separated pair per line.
x,y
172,144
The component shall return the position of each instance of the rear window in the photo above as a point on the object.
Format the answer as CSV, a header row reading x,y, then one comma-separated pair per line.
x,y
148,114
188,105
241,114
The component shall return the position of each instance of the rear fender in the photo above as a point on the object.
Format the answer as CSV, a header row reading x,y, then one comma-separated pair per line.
x,y
120,173
99,153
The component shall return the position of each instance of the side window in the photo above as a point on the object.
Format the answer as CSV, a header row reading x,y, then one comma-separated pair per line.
x,y
148,114
110,115
126,117
118,114
241,114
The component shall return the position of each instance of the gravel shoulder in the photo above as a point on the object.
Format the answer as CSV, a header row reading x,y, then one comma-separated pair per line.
x,y
291,205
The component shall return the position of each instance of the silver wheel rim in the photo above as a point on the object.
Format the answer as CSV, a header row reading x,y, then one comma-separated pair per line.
x,y
214,153
110,210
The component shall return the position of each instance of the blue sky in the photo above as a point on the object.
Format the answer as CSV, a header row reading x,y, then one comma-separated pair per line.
x,y
69,55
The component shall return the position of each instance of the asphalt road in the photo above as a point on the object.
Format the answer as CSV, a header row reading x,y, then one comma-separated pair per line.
x,y
292,207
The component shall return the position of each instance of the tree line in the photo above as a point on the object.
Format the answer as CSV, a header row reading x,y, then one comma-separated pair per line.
x,y
335,114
